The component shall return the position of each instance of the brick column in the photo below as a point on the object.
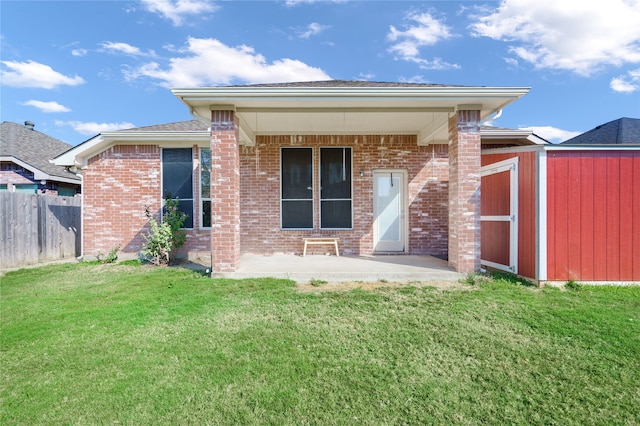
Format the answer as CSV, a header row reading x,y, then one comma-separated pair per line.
x,y
464,191
225,191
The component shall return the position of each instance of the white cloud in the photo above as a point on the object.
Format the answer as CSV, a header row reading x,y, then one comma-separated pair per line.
x,y
312,29
50,106
35,74
92,128
178,10
627,83
417,79
211,62
298,2
426,31
79,52
552,134
366,76
124,48
578,36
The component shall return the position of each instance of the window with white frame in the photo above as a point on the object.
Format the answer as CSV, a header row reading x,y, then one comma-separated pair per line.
x,y
177,179
205,187
297,186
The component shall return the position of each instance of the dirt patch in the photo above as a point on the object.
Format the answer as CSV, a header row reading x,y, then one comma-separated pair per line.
x,y
317,287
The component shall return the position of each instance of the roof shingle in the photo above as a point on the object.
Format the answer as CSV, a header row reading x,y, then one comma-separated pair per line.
x,y
34,148
623,131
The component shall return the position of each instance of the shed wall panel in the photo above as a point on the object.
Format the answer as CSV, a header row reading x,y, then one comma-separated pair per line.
x,y
593,215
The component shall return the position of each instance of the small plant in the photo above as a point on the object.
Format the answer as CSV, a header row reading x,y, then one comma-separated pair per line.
x,y
111,257
572,285
317,283
474,278
163,238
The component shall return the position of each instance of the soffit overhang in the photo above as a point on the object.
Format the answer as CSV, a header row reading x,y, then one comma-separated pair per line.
x,y
420,110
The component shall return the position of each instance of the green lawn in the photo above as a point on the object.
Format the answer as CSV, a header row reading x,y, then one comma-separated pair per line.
x,y
114,344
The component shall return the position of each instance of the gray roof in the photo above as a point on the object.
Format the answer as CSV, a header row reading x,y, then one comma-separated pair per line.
x,y
623,131
33,148
345,83
180,126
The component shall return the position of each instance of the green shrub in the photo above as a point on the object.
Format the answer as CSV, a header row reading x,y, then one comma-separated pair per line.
x,y
163,238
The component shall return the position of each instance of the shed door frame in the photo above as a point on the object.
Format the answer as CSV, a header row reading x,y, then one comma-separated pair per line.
x,y
510,165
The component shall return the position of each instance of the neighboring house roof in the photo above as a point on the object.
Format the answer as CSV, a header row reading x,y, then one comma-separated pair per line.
x,y
623,131
33,150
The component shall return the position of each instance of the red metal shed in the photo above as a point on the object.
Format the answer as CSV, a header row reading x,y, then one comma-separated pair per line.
x,y
559,213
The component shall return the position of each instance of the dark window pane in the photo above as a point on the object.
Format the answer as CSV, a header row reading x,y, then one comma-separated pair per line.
x,y
335,173
206,214
177,179
297,214
297,174
205,173
335,214
177,172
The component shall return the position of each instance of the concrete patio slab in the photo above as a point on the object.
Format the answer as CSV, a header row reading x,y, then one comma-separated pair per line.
x,y
391,268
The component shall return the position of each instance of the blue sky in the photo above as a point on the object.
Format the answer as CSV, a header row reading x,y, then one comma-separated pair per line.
x,y
77,68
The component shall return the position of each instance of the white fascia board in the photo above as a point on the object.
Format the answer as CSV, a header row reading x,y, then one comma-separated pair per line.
x,y
37,173
508,150
346,93
124,136
493,98
513,134
70,158
79,155
592,147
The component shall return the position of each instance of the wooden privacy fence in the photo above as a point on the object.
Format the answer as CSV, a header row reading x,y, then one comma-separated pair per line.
x,y
38,228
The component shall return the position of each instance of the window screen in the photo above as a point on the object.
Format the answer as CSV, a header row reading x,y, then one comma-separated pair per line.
x,y
205,187
335,188
177,179
297,188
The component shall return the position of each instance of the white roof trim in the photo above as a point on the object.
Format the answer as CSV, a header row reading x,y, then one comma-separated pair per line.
x,y
513,134
346,93
79,155
561,148
37,173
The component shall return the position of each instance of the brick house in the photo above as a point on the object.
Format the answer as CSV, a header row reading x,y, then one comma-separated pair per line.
x,y
25,166
384,167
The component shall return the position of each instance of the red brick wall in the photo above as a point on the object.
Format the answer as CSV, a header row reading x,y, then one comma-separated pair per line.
x,y
225,189
122,180
464,191
427,168
118,184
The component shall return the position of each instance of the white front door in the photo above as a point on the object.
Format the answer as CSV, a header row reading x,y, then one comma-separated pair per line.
x,y
389,224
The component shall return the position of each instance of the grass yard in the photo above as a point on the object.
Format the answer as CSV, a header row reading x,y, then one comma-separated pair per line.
x,y
115,344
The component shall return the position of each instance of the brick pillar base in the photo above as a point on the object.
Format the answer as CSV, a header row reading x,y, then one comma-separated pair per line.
x,y
225,192
464,191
